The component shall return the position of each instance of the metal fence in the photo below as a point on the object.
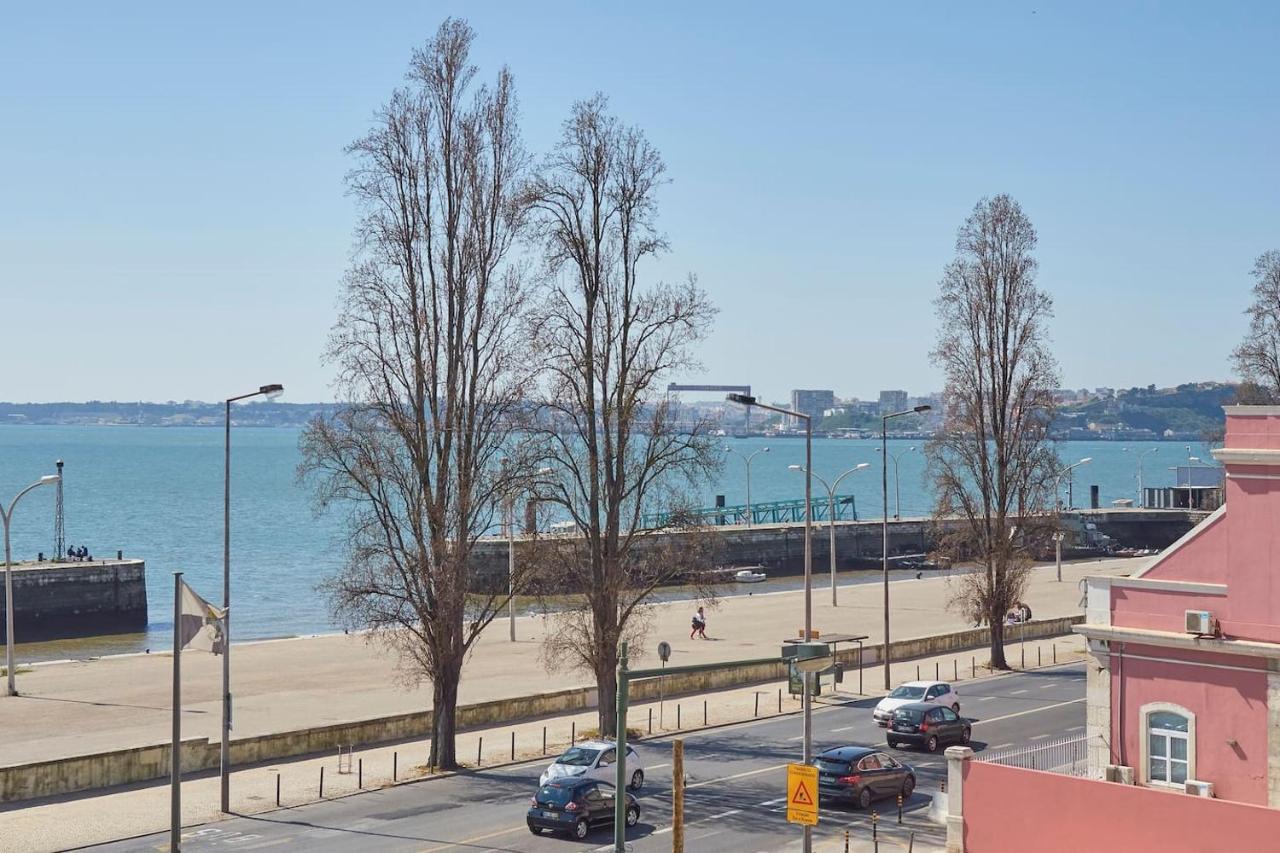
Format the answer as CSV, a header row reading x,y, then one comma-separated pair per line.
x,y
1068,756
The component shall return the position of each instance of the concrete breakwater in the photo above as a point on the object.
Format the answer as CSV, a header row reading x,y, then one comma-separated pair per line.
x,y
69,774
55,601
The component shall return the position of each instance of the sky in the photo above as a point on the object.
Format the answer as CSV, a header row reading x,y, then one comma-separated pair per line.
x,y
173,222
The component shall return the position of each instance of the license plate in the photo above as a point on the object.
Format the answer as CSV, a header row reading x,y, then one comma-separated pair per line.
x,y
901,727
551,815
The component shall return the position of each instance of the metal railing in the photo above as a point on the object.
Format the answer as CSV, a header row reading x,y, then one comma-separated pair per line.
x,y
766,512
1068,756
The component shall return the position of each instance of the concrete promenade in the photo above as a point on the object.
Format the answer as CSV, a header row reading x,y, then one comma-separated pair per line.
x,y
113,703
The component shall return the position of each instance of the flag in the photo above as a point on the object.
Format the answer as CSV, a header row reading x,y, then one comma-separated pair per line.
x,y
200,625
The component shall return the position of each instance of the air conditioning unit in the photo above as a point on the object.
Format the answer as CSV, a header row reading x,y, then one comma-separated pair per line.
x,y
1196,788
1200,622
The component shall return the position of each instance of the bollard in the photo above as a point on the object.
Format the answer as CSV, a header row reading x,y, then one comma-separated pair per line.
x,y
277,790
395,765
779,700
911,841
650,721
973,667
704,712
544,740
917,672
899,809
1024,657
937,671
846,841
756,711
875,822
573,732
322,781
360,774
513,745
944,786
479,750
677,716
1038,662
956,666
1055,652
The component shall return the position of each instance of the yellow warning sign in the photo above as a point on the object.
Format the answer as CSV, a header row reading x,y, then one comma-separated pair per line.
x,y
802,794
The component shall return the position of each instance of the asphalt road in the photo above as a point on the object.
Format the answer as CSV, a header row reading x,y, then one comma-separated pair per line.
x,y
734,798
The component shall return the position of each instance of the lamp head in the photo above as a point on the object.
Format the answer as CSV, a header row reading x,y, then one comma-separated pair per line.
x,y
795,468
542,472
271,392
50,478
861,465
744,399
1085,461
764,450
925,408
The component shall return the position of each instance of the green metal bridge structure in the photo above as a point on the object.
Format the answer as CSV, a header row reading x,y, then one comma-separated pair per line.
x,y
771,512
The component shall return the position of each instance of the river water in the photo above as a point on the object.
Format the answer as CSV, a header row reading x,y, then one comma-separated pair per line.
x,y
156,493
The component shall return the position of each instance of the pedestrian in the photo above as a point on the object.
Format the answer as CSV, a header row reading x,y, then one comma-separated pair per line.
x,y
699,625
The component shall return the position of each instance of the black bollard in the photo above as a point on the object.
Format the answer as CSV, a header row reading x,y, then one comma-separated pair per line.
x,y
395,765
479,750
322,781
513,745
277,790
360,774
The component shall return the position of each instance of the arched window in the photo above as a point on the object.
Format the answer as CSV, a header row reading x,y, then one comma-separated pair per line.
x,y
1169,733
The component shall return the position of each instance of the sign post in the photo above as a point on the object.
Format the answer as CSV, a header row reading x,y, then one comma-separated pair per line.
x,y
802,794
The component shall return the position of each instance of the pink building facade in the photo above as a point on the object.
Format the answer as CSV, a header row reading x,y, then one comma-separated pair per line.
x,y
1184,684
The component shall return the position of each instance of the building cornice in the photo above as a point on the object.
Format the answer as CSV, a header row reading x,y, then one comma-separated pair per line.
x,y
1174,640
1247,456
1191,587
1251,411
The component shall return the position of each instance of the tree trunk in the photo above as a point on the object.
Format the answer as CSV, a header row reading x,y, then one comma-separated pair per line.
x,y
444,719
996,621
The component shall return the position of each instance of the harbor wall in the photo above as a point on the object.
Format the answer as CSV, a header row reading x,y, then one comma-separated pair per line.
x,y
56,601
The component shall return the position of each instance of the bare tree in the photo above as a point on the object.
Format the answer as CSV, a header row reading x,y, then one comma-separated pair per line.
x,y
992,464
428,354
1257,359
618,448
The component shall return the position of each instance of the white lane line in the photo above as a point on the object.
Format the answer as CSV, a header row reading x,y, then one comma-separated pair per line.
x,y
1030,711
1049,685
797,737
985,698
1000,746
1041,737
658,766
773,802
1016,692
722,814
1076,729
842,729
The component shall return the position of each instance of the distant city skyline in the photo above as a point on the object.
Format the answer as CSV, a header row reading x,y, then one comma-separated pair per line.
x,y
175,225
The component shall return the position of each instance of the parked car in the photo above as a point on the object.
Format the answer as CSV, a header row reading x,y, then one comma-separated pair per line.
x,y
594,759
859,775
927,725
575,806
934,692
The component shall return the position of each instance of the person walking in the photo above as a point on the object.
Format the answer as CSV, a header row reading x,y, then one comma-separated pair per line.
x,y
699,625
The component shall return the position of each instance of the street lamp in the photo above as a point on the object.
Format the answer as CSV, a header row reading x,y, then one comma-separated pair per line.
x,y
884,531
806,701
831,516
1057,516
11,689
510,524
224,772
897,485
728,449
1140,454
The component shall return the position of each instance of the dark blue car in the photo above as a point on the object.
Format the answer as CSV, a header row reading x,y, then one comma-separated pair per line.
x,y
575,806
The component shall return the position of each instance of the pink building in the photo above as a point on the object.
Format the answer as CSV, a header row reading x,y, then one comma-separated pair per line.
x,y
1185,681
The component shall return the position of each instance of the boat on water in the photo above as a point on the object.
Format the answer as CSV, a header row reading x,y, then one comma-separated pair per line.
x,y
751,574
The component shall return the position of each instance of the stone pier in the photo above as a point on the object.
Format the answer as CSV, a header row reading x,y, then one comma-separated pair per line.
x,y
56,601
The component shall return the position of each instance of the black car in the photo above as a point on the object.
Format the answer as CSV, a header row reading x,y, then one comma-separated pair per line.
x,y
576,806
858,775
927,725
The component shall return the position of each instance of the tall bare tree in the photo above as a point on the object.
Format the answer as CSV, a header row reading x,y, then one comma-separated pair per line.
x,y
618,448
992,464
1257,359
428,353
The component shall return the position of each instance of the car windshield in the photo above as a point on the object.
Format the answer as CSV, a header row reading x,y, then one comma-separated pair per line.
x,y
828,765
906,691
578,757
912,714
554,794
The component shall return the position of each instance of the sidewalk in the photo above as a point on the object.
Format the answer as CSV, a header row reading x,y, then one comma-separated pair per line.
x,y
113,703
77,820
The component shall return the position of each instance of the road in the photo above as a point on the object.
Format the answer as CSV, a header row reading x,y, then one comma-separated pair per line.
x,y
734,797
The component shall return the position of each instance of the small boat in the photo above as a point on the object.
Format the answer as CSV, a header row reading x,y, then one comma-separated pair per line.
x,y
751,574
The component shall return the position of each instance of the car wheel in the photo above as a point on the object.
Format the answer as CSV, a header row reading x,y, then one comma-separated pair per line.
x,y
864,798
633,816
637,781
965,734
955,706
908,786
893,744
580,829
535,830
932,743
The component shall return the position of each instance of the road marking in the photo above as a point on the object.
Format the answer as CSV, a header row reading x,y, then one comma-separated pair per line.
x,y
1016,692
742,775
1041,737
1049,685
985,698
1076,729
1031,711
657,766
468,841
1000,746
773,802
797,737
722,814
842,729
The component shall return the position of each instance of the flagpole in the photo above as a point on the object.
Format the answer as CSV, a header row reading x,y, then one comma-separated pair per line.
x,y
175,752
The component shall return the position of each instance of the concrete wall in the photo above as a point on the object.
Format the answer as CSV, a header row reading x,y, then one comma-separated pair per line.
x,y
1009,808
84,772
55,601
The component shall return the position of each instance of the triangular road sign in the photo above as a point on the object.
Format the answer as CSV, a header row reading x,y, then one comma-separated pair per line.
x,y
801,796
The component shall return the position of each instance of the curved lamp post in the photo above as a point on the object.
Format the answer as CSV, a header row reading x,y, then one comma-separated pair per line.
x,y
224,772
1139,455
884,541
7,515
748,458
1057,499
831,516
897,485
510,523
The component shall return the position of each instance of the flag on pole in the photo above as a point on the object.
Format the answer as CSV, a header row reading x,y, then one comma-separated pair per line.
x,y
200,624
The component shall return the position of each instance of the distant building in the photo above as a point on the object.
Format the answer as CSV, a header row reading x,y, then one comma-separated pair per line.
x,y
812,403
892,401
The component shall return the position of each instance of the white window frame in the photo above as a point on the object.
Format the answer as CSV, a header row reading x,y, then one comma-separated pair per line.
x,y
1144,743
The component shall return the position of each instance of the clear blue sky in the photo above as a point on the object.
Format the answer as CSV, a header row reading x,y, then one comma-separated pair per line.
x,y
173,223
